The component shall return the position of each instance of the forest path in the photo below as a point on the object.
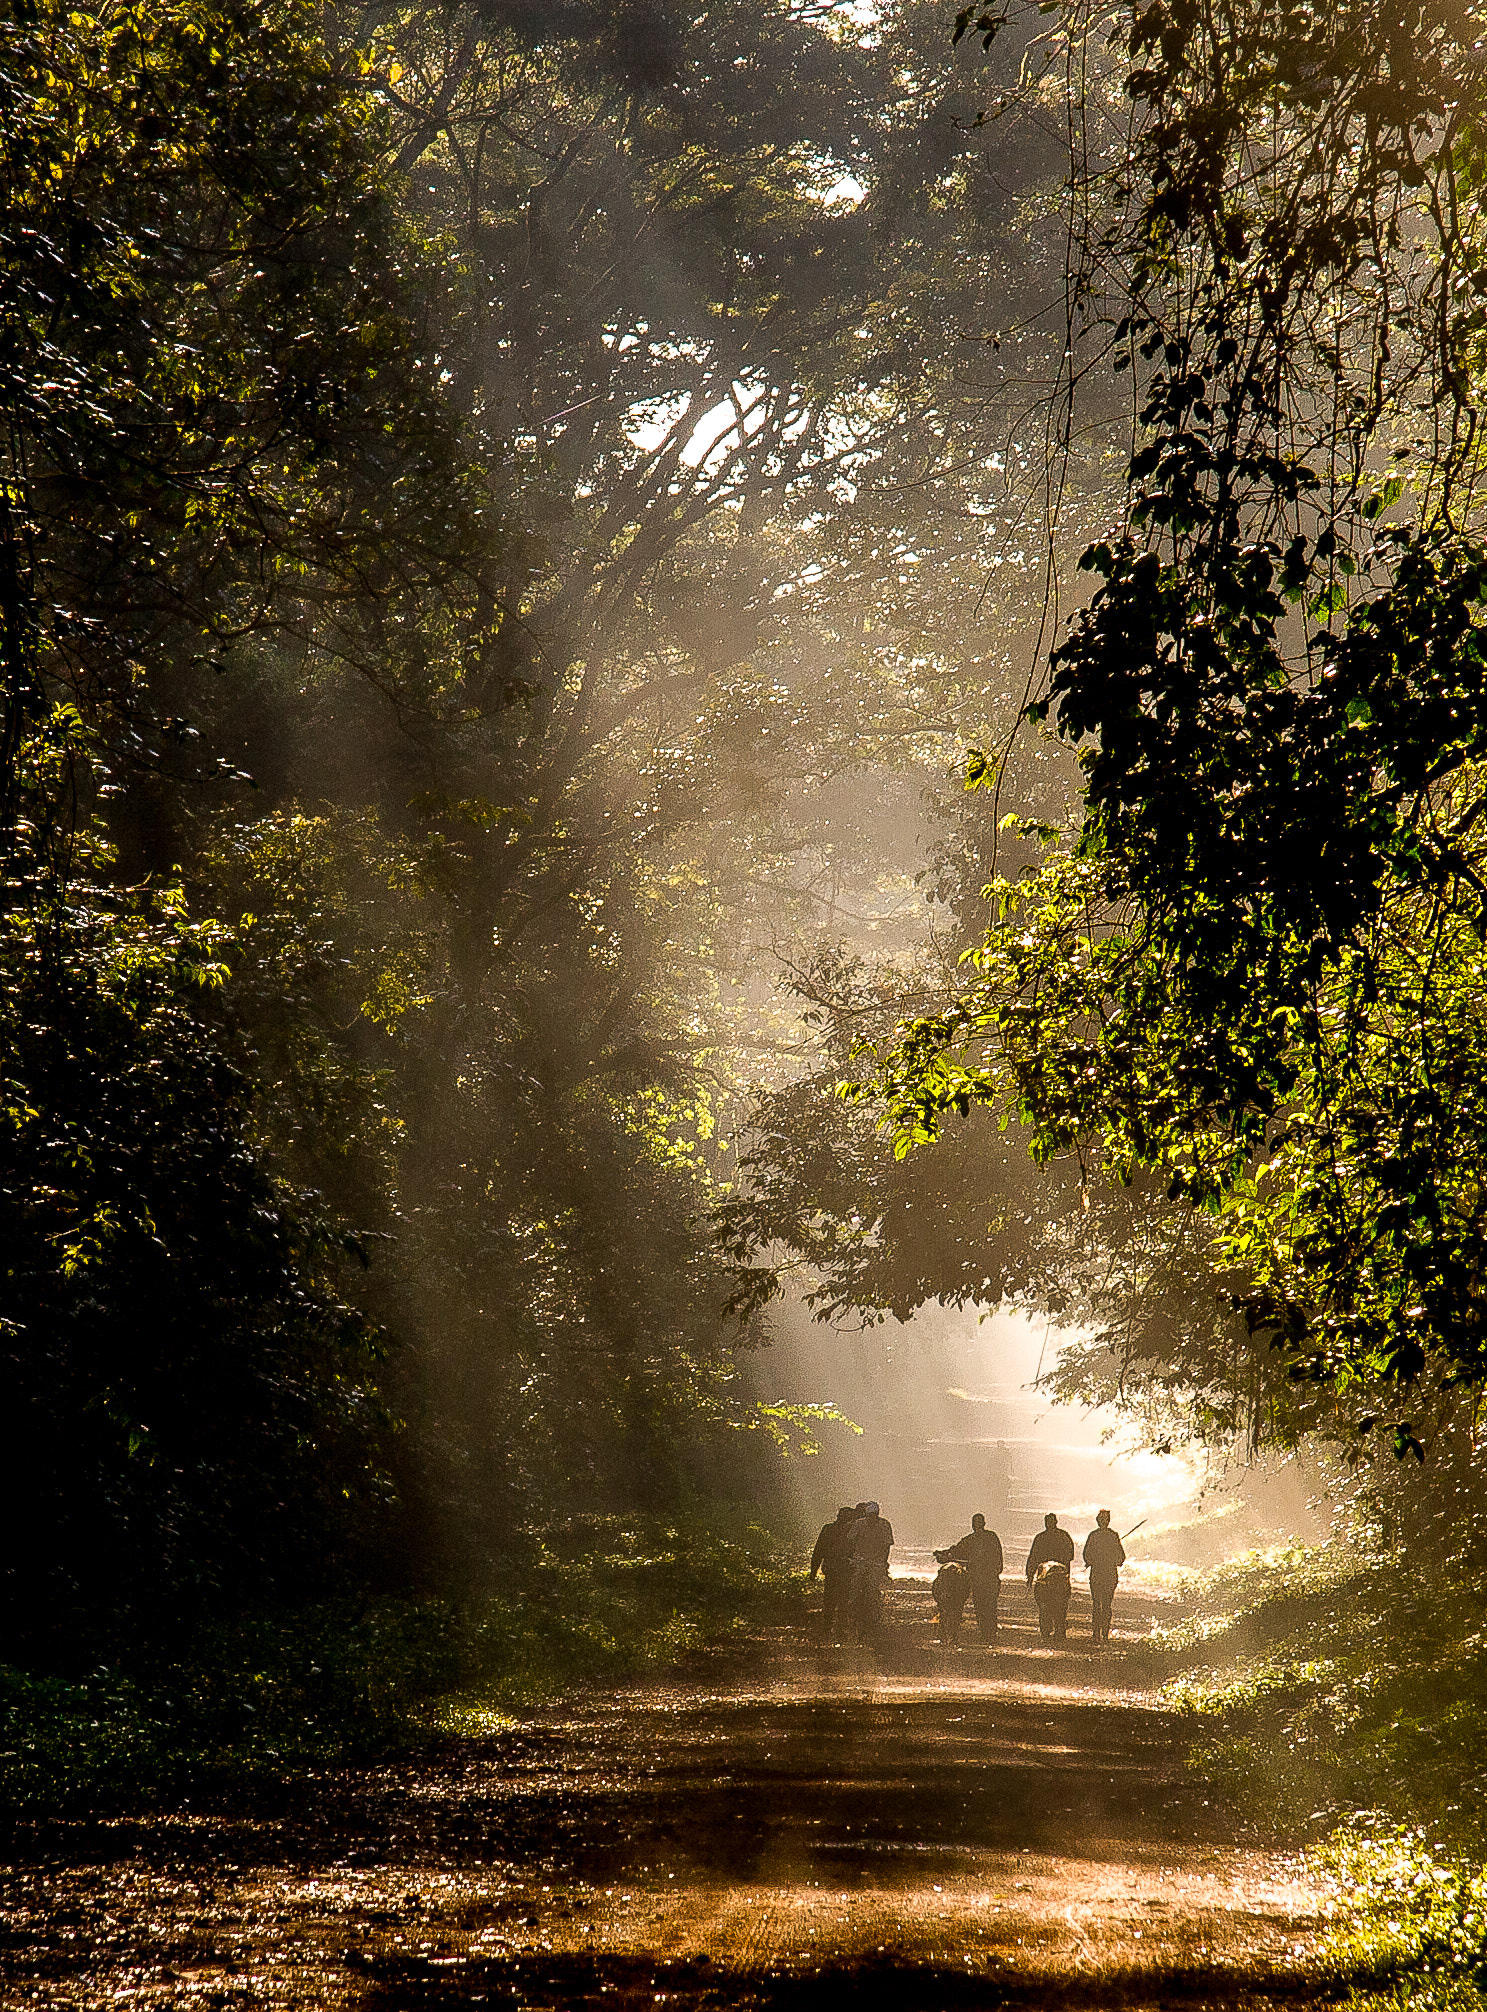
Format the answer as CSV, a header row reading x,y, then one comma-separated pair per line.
x,y
784,1827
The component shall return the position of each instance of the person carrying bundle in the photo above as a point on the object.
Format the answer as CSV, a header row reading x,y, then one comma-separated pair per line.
x,y
951,1590
1048,1562
980,1551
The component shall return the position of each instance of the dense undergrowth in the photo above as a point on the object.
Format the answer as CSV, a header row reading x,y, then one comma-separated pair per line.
x,y
1343,1691
242,1703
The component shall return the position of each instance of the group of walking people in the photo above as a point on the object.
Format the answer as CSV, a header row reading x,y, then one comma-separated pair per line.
x,y
851,1555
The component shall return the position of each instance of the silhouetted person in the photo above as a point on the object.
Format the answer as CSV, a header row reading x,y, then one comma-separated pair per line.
x,y
1001,1479
1104,1554
872,1540
832,1558
980,1551
951,1590
1051,1546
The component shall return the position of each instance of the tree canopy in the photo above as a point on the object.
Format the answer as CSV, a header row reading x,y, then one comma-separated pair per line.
x,y
504,514
508,519
1254,969
750,500
216,426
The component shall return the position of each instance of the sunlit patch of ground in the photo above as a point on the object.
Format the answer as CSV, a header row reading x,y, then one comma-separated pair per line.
x,y
916,1826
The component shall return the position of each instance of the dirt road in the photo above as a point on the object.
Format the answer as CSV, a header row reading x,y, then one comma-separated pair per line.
x,y
783,1827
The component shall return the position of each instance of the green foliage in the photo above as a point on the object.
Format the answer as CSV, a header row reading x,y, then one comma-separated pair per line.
x,y
1252,978
1279,821
794,1427
252,1700
533,786
1430,1993
213,422
1338,1682
747,497
212,388
1416,1920
821,1196
199,1417
1340,1688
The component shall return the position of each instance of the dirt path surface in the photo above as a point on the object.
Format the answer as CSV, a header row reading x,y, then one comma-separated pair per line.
x,y
785,1827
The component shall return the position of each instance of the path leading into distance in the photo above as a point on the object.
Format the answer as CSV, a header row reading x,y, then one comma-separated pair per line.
x,y
784,1827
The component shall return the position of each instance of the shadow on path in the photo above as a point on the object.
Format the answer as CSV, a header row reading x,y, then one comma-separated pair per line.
x,y
782,1826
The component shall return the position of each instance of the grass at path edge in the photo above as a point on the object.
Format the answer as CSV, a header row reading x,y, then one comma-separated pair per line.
x,y
258,1698
1343,1690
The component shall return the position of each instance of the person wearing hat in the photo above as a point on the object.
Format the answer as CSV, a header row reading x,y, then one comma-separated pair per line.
x,y
1104,1554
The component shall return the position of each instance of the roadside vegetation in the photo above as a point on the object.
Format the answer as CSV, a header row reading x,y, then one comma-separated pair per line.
x,y
243,1706
1339,1692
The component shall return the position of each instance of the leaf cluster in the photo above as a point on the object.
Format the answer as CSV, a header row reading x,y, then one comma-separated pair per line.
x,y
1254,974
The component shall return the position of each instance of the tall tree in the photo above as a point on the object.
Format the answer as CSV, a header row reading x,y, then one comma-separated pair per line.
x,y
1255,973
755,506
215,424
